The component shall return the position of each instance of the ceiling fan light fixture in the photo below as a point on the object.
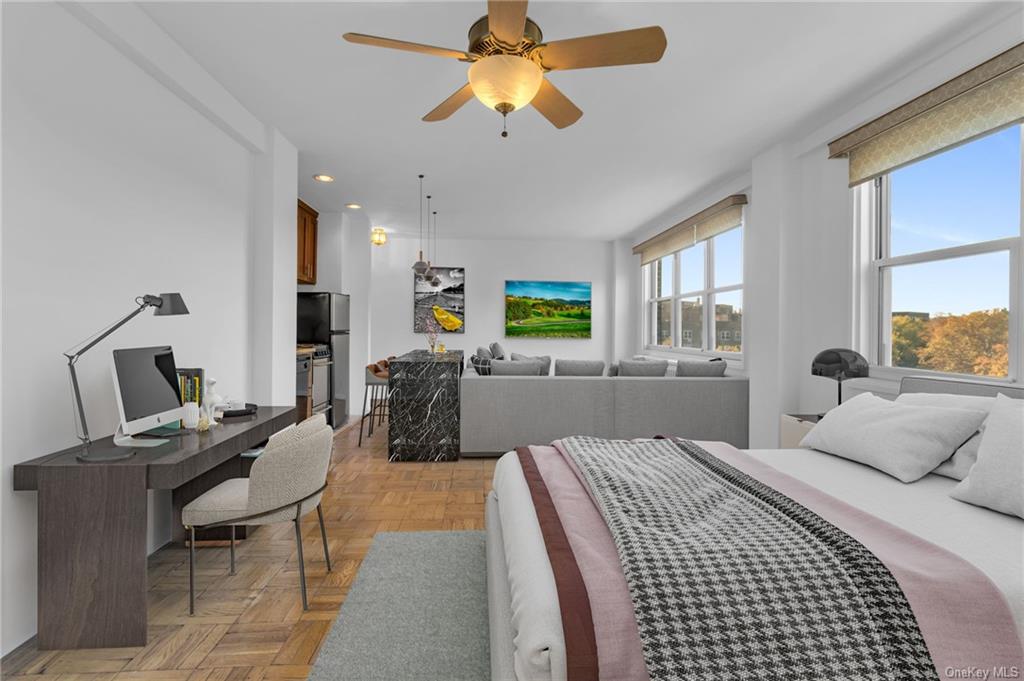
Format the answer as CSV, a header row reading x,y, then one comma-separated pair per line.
x,y
505,82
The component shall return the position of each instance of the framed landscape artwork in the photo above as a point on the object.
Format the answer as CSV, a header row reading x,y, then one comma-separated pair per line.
x,y
444,303
547,309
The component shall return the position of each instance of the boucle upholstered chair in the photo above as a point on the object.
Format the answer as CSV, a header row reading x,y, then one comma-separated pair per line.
x,y
285,483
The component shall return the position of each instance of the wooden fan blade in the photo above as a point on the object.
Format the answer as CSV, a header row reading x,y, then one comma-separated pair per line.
x,y
636,46
450,105
376,41
555,106
505,20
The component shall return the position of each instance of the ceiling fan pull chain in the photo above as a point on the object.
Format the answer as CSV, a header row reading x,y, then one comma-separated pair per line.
x,y
504,125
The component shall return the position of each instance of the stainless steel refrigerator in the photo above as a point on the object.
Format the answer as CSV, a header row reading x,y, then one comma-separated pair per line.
x,y
322,319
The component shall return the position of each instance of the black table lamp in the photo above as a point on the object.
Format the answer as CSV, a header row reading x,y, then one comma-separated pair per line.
x,y
839,364
165,304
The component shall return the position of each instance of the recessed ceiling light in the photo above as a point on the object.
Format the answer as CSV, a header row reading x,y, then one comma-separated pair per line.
x,y
353,206
323,178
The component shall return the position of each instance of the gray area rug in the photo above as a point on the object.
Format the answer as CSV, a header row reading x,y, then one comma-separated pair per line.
x,y
417,611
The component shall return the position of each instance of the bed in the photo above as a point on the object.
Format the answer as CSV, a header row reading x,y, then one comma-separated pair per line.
x,y
556,618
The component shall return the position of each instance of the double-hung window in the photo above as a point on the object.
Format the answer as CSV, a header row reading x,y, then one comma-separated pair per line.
x,y
693,297
944,282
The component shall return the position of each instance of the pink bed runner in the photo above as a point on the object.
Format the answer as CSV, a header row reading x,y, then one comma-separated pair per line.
x,y
962,617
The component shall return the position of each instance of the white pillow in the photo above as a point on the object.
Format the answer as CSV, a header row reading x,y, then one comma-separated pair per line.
x,y
907,442
997,480
958,465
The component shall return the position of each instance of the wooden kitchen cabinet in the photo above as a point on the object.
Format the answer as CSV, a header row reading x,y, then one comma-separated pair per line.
x,y
306,251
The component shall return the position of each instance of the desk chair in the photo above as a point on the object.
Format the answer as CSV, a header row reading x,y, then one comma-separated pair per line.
x,y
286,482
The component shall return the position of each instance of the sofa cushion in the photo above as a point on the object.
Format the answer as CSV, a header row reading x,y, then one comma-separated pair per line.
x,y
482,365
484,353
643,367
690,367
507,367
543,359
497,352
579,367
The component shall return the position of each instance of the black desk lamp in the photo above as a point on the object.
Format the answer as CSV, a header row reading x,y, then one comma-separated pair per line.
x,y
165,304
839,364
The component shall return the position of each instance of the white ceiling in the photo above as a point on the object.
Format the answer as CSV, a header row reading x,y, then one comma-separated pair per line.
x,y
735,79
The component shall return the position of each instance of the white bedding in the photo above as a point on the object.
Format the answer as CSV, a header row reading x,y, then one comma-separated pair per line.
x,y
992,541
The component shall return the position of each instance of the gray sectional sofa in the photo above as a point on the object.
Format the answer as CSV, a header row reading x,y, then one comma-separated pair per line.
x,y
500,413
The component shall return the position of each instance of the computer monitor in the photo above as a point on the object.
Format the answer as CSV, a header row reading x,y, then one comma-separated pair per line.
x,y
146,384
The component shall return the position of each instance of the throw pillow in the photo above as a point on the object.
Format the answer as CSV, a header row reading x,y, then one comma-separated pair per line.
x,y
997,480
687,367
484,353
545,360
579,367
507,367
643,367
482,365
905,441
497,352
958,465
613,369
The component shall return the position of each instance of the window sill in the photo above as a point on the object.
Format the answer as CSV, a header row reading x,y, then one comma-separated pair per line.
x,y
896,374
735,359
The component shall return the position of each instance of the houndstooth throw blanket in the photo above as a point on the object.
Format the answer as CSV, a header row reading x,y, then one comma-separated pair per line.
x,y
733,580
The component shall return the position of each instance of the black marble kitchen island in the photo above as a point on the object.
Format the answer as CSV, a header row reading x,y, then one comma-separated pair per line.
x,y
423,406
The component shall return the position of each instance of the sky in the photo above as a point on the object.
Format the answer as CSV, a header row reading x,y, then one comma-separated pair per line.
x,y
965,195
568,290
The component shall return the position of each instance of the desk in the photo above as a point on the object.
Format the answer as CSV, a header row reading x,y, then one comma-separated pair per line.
x,y
92,526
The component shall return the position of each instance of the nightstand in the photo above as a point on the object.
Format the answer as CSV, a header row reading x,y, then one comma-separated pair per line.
x,y
793,427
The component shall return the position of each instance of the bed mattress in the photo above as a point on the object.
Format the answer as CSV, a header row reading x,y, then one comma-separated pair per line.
x,y
525,599
991,541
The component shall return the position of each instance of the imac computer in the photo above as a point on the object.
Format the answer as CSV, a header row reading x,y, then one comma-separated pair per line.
x,y
146,385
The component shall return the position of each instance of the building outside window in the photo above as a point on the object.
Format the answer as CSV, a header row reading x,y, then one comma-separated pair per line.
x,y
694,296
945,277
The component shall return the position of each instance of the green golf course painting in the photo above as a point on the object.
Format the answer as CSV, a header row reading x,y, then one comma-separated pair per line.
x,y
547,309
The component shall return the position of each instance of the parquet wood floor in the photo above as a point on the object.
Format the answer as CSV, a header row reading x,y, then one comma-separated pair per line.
x,y
250,626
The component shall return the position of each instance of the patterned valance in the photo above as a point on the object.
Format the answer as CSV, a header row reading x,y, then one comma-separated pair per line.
x,y
984,99
721,217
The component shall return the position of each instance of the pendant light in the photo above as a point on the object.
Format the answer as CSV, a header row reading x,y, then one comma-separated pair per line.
x,y
421,266
436,280
428,274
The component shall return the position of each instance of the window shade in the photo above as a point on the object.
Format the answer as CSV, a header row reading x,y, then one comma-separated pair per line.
x,y
721,217
984,99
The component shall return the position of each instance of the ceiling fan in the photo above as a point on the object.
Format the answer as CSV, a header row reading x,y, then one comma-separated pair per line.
x,y
508,60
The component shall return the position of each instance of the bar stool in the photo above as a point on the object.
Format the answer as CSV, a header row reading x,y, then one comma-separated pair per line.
x,y
376,387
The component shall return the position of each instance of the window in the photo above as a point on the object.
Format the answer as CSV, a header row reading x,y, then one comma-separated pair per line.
x,y
946,260
694,297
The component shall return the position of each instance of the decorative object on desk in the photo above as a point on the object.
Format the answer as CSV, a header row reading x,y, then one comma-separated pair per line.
x,y
378,237
547,309
235,409
211,399
839,364
190,419
205,421
164,305
444,304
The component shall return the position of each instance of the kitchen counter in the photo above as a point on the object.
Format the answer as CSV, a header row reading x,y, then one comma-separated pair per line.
x,y
423,406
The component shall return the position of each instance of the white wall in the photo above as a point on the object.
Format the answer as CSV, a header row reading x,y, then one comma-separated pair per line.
x,y
488,264
114,187
799,265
